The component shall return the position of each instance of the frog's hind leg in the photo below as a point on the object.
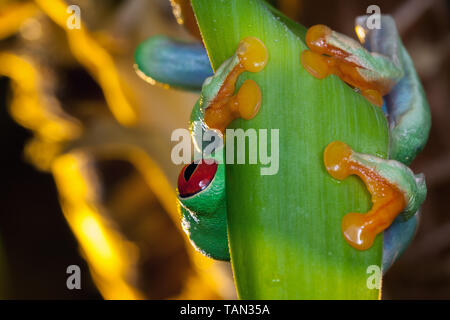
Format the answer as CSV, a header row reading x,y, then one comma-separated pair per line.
x,y
409,122
394,188
333,53
397,238
407,106
251,56
202,204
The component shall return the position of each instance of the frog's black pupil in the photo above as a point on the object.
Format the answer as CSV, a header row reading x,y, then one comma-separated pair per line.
x,y
189,171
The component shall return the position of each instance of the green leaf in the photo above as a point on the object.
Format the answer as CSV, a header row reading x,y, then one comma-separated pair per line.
x,y
285,229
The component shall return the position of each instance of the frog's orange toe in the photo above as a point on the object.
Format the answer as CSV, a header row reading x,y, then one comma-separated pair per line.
x,y
337,159
316,38
354,228
316,64
253,54
248,99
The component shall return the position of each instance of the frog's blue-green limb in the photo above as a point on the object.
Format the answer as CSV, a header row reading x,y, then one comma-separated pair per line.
x,y
408,109
397,238
175,63
384,108
410,121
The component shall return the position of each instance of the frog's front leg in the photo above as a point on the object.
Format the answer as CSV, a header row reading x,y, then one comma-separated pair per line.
x,y
201,184
173,63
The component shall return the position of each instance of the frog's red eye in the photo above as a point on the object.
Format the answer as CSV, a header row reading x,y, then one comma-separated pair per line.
x,y
195,177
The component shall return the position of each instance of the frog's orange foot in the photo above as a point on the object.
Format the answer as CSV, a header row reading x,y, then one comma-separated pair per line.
x,y
252,57
388,200
333,53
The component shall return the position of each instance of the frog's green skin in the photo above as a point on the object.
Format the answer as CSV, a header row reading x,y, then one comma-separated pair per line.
x,y
408,110
204,218
204,215
409,118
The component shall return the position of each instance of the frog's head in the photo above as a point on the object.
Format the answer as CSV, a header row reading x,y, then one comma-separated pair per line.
x,y
201,186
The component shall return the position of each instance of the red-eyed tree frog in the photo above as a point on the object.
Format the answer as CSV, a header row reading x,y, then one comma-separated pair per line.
x,y
380,69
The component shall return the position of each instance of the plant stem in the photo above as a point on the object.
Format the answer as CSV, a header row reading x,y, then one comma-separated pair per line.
x,y
285,229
